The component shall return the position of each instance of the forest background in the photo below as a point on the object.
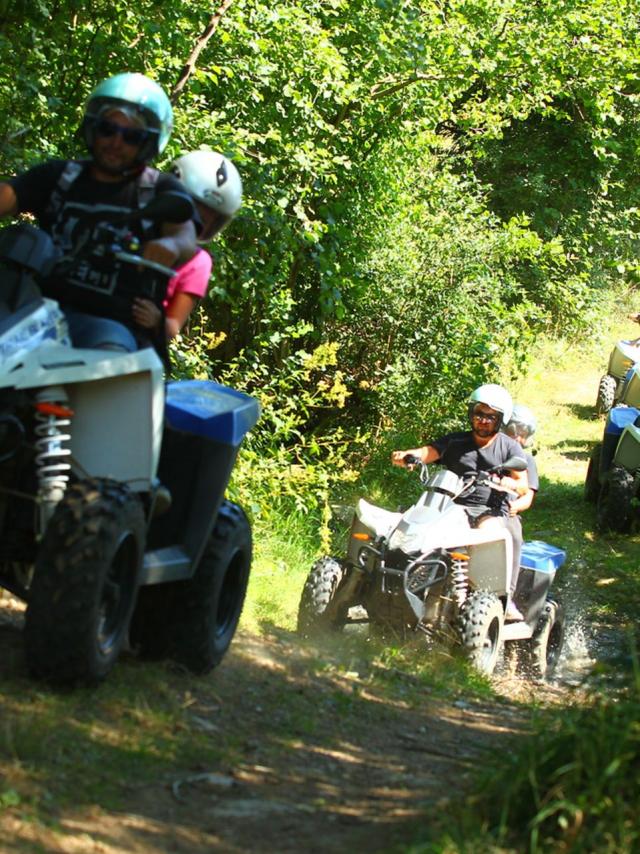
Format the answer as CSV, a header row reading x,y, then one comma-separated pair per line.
x,y
429,186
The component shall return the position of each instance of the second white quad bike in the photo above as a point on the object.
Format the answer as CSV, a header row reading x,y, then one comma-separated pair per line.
x,y
427,570
613,385
114,528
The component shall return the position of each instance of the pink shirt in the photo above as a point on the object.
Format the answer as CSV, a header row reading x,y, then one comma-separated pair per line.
x,y
192,277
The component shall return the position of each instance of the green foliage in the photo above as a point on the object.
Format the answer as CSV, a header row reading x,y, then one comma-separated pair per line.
x,y
427,188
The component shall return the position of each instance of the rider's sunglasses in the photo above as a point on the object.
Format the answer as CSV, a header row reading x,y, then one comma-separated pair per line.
x,y
131,136
491,417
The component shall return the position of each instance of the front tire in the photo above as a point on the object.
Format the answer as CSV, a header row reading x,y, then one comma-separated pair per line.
x,y
546,644
615,508
318,594
606,394
480,624
85,583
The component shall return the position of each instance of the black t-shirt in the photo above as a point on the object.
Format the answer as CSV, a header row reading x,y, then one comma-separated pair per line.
x,y
459,453
94,283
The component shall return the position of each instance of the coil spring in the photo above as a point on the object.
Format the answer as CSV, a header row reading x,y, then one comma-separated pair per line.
x,y
460,579
51,468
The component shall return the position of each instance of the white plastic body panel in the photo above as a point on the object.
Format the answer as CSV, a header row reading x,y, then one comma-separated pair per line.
x,y
631,392
424,529
623,356
491,559
118,403
628,448
377,520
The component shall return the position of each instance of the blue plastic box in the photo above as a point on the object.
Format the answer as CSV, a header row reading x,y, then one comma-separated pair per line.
x,y
541,556
619,417
206,408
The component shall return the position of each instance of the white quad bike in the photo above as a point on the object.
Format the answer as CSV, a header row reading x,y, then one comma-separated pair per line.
x,y
114,528
427,569
613,385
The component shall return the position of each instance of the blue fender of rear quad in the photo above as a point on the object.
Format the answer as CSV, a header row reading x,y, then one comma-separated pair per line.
x,y
541,556
206,408
619,417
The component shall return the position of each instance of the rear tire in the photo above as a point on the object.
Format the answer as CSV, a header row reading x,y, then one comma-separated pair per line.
x,y
546,644
606,394
615,508
194,621
318,594
592,480
207,608
480,624
85,583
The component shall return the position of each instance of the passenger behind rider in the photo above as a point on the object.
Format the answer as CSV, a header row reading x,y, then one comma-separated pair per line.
x,y
215,186
481,448
127,122
522,427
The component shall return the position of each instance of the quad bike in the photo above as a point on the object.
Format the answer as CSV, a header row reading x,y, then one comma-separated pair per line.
x,y
426,569
612,482
114,526
612,386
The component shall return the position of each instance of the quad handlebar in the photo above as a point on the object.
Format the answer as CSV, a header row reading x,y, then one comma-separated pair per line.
x,y
485,477
140,261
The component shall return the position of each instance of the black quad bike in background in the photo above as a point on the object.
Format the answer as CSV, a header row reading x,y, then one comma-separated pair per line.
x,y
427,570
114,526
612,482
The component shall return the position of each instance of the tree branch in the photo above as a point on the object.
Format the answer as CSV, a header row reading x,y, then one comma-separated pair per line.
x,y
382,90
378,92
201,43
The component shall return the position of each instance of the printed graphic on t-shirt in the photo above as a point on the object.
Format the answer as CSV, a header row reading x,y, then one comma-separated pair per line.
x,y
80,234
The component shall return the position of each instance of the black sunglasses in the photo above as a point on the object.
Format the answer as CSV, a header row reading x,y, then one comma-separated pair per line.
x,y
485,416
131,136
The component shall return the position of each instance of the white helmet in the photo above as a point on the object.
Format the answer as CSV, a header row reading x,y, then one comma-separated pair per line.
x,y
522,423
495,397
212,179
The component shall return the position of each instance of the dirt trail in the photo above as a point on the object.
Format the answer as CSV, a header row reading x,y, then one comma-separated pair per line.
x,y
359,788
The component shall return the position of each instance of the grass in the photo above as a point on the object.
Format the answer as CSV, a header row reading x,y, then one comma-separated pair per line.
x,y
130,728
284,550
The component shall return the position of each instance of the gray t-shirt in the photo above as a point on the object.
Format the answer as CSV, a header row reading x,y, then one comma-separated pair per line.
x,y
459,453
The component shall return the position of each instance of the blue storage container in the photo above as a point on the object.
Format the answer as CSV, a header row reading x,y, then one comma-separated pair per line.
x,y
619,417
206,408
541,556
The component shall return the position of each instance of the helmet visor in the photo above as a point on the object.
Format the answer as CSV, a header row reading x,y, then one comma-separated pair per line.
x,y
212,222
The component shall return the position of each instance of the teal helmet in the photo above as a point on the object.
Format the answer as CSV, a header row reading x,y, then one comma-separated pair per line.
x,y
139,97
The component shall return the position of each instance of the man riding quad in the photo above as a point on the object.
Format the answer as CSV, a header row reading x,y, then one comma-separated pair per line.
x,y
482,447
127,122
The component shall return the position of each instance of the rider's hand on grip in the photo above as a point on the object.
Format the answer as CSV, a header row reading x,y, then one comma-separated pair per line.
x,y
410,460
